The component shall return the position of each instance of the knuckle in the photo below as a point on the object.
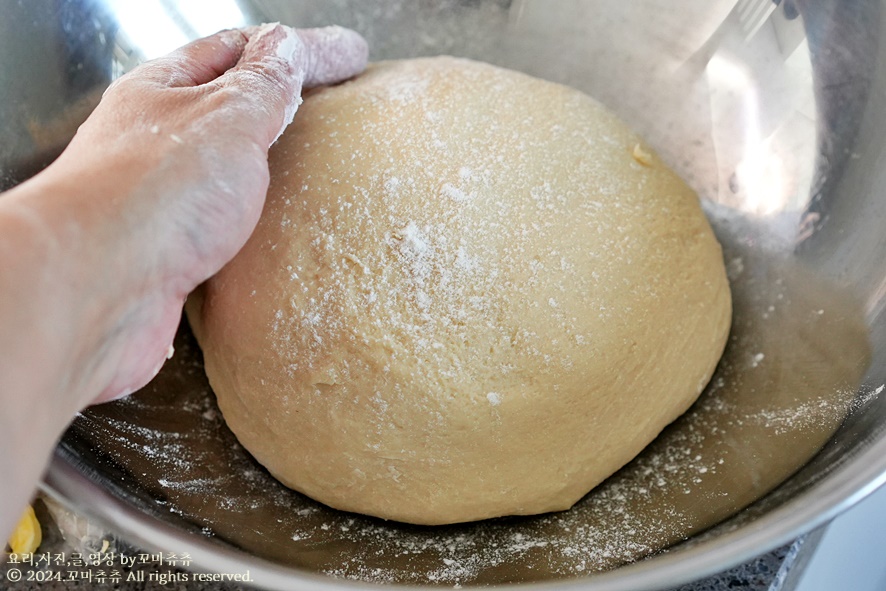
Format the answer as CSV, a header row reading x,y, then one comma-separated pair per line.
x,y
271,70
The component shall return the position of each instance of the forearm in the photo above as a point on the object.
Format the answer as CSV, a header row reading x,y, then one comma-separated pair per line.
x,y
43,311
84,315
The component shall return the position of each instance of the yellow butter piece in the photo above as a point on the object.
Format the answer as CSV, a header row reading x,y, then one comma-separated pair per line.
x,y
642,155
27,535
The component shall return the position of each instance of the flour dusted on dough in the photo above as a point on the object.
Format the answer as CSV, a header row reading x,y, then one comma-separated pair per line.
x,y
467,297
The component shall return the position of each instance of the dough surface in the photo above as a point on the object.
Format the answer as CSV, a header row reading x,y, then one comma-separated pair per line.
x,y
472,293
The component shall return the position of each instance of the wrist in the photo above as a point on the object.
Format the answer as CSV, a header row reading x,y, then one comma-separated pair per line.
x,y
59,287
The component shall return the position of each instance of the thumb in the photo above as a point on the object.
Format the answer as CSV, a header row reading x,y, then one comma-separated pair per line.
x,y
278,60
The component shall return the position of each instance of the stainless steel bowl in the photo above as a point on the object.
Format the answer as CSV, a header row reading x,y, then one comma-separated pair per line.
x,y
773,111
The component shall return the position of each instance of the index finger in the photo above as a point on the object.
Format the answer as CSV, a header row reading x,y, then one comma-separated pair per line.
x,y
196,63
333,54
278,60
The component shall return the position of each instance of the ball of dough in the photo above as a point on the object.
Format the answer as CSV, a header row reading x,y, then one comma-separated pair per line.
x,y
472,293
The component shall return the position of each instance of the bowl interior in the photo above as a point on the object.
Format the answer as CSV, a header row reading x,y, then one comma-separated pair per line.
x,y
773,113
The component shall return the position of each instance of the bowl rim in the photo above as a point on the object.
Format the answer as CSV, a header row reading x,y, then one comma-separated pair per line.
x,y
815,507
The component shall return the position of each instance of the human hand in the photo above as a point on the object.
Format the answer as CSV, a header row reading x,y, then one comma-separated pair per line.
x,y
172,174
